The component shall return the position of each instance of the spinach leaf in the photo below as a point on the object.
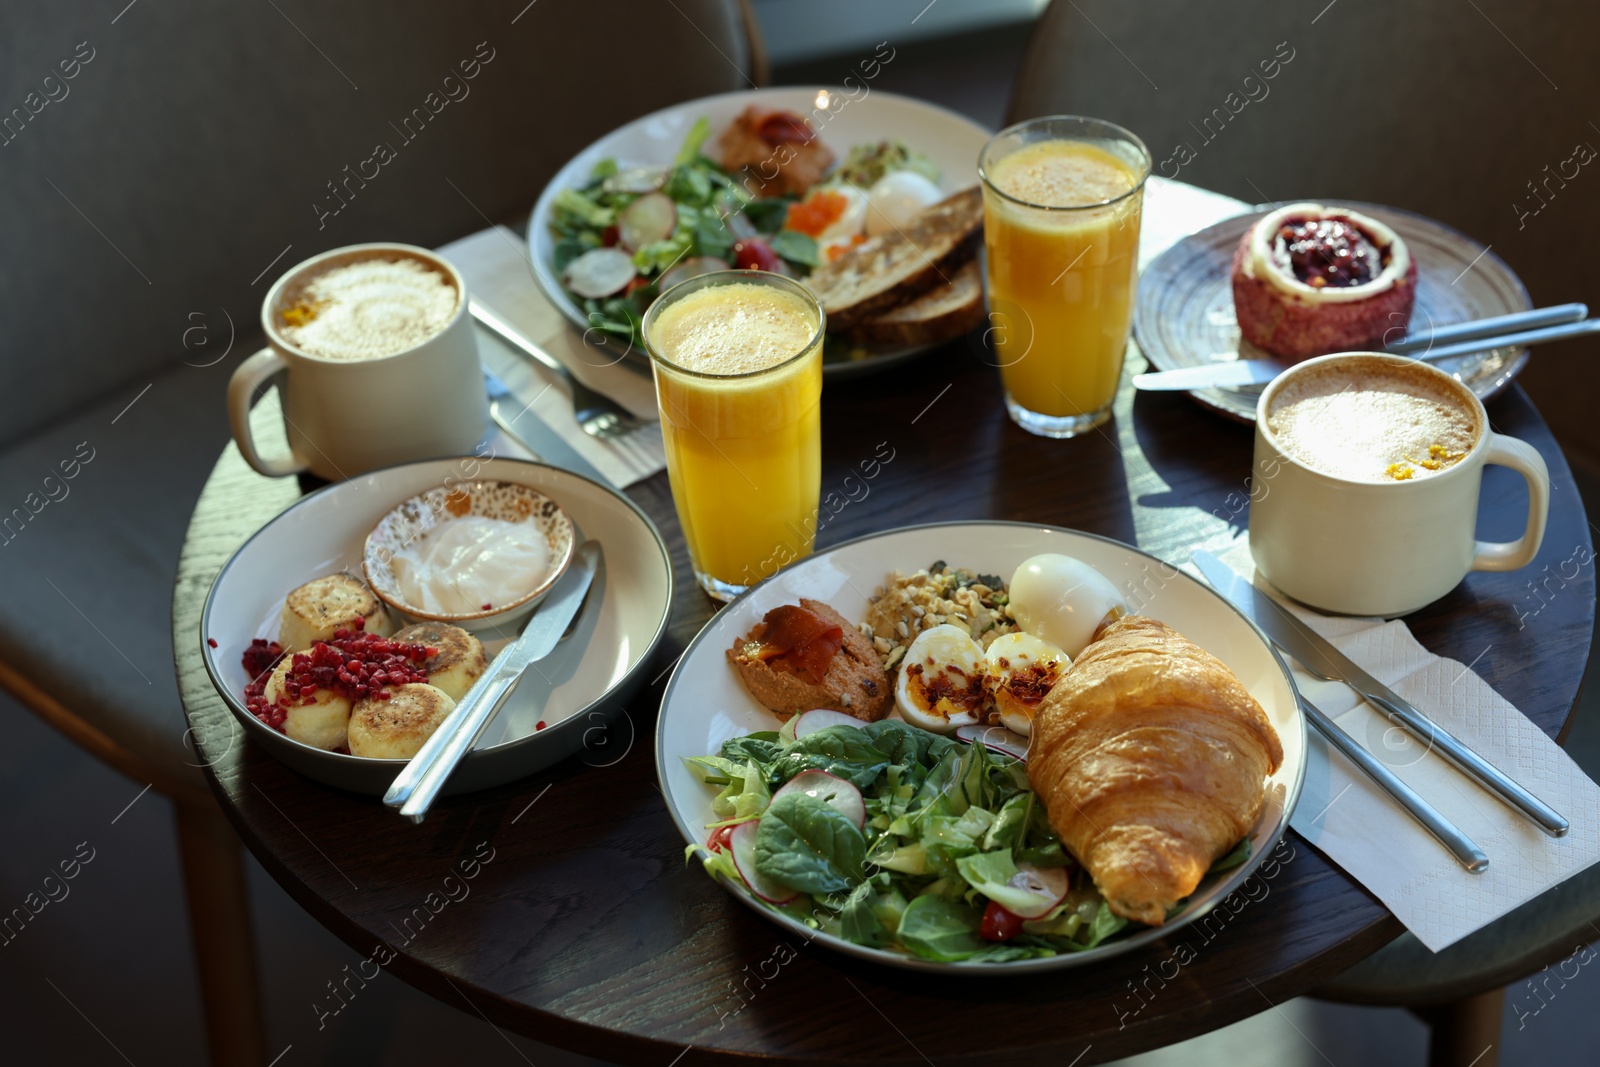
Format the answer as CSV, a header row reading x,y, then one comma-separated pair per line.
x,y
939,929
760,748
805,844
796,247
858,922
844,751
767,215
905,745
1011,950
711,235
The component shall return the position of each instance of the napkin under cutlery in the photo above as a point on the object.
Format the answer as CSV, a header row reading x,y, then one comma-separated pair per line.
x,y
1349,819
495,265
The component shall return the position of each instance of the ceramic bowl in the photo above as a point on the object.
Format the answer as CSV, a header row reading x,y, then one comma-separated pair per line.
x,y
417,515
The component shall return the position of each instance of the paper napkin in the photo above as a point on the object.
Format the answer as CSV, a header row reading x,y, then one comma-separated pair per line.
x,y
1352,821
495,265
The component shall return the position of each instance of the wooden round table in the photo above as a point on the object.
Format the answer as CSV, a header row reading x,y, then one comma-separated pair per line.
x,y
582,927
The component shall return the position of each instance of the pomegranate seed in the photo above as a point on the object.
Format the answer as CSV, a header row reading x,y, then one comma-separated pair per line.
x,y
539,725
355,664
486,607
212,641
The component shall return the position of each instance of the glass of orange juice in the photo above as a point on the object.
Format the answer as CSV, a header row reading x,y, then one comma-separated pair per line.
x,y
1062,201
738,371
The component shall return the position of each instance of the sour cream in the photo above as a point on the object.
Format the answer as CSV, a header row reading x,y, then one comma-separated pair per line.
x,y
471,564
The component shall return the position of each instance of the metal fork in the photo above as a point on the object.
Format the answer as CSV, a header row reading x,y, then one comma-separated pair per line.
x,y
598,415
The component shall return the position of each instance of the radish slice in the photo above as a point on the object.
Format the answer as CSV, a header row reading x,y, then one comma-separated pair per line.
x,y
689,268
636,180
837,793
995,739
600,272
812,721
648,219
1046,885
744,858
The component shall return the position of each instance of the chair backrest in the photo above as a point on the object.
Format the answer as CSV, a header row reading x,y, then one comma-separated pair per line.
x,y
160,165
1478,113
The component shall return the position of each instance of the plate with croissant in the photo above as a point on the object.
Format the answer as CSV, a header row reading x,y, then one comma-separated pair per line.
x,y
981,745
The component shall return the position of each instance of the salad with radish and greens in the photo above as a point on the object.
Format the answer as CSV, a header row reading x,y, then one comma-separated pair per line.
x,y
631,232
895,838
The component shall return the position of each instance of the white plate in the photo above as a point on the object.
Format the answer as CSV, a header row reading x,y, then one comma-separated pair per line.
x,y
705,703
1183,316
573,691
953,142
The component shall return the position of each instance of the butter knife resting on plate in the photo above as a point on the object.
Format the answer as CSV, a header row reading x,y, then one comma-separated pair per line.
x,y
1522,328
418,784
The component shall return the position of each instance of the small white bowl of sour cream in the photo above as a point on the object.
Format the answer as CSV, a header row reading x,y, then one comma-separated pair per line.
x,y
479,555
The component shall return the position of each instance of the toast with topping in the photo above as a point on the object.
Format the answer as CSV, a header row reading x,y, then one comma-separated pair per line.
x,y
939,314
896,267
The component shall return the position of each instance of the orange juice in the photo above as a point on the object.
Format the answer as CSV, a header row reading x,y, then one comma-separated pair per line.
x,y
738,372
1061,274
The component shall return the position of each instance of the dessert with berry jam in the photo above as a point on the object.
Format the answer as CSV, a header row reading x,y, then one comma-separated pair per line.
x,y
1310,279
338,683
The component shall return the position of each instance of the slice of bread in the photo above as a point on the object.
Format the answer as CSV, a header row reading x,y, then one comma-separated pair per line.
x,y
940,314
895,267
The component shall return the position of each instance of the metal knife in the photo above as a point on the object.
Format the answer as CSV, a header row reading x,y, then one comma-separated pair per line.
x,y
1320,657
1231,373
1462,847
414,789
498,392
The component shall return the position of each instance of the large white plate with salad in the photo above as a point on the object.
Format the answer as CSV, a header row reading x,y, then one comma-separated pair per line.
x,y
660,154
706,711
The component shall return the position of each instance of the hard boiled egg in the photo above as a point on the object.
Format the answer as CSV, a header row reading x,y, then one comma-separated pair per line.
x,y
1062,600
1019,670
941,680
897,198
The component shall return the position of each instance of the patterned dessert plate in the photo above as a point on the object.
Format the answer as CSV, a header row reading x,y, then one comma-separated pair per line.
x,y
1184,313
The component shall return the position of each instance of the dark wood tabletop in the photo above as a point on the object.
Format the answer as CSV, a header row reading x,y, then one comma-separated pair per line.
x,y
580,924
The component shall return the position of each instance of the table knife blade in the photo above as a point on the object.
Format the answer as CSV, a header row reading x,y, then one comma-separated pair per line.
x,y
1228,374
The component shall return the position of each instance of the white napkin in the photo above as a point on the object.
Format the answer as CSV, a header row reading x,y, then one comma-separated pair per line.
x,y
1348,818
495,265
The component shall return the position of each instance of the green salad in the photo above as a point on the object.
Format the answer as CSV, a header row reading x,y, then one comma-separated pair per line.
x,y
628,233
895,838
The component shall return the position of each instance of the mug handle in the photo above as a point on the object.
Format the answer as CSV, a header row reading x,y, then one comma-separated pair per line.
x,y
1526,461
247,378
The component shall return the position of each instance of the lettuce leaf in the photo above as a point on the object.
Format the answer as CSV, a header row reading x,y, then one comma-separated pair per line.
x,y
936,928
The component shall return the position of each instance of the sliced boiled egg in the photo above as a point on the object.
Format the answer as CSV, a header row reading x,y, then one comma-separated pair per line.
x,y
1020,670
1063,600
941,680
897,198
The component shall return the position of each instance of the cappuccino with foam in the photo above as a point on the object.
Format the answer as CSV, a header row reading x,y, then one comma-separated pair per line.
x,y
1373,419
367,306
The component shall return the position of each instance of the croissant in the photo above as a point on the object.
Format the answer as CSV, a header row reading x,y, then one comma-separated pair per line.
x,y
1150,757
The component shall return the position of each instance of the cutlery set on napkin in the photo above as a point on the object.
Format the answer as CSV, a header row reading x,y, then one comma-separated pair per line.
x,y
1446,761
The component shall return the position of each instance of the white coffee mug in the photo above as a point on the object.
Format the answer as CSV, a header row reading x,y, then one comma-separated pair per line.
x,y
1383,548
346,417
